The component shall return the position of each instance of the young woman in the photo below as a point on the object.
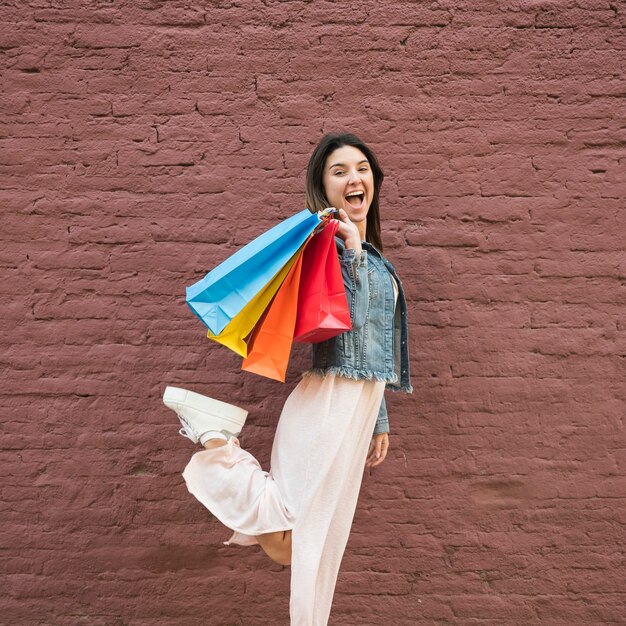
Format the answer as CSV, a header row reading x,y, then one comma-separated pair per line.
x,y
302,510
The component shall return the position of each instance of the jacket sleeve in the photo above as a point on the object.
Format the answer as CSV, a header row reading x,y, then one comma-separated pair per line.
x,y
382,421
355,279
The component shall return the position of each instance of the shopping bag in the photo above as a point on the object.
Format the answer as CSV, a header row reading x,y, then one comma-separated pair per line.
x,y
228,288
270,344
233,336
322,303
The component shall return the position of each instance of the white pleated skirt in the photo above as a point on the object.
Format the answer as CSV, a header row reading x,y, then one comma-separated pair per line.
x,y
317,464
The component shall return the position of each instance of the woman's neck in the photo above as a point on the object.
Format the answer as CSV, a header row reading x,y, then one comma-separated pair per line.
x,y
362,226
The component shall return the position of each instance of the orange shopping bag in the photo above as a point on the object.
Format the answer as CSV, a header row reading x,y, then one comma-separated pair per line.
x,y
270,343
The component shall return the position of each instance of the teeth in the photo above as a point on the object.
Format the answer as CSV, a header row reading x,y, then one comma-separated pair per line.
x,y
354,193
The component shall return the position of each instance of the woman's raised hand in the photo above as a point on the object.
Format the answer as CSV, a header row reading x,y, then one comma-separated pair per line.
x,y
349,232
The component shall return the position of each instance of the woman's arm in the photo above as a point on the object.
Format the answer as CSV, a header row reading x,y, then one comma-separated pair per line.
x,y
380,439
349,232
382,421
353,261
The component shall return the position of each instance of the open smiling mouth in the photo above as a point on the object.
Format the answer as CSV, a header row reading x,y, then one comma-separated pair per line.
x,y
355,199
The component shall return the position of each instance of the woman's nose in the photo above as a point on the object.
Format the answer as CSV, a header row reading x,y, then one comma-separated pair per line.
x,y
354,176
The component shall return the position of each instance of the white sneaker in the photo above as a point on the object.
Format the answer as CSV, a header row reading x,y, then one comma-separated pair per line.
x,y
199,414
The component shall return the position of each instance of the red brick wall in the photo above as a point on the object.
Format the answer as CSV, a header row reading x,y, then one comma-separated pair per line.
x,y
142,142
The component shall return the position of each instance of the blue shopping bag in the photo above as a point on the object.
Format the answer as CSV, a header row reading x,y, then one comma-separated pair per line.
x,y
225,290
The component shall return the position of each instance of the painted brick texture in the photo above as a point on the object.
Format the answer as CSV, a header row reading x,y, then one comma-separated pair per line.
x,y
143,142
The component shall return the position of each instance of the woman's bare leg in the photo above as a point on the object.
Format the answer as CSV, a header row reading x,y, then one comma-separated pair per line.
x,y
277,546
214,443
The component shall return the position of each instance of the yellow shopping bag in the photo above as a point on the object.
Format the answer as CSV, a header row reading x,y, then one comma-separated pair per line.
x,y
242,324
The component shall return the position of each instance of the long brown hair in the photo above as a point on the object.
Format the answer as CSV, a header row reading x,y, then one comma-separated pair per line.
x,y
316,197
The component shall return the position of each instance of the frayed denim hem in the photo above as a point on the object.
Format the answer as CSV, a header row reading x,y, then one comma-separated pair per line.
x,y
391,380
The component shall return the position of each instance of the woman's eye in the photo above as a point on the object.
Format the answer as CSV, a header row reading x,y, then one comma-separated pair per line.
x,y
338,172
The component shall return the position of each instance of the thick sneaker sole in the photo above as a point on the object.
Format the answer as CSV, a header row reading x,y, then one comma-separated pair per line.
x,y
205,413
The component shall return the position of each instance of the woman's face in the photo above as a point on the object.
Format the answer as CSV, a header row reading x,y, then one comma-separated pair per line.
x,y
349,182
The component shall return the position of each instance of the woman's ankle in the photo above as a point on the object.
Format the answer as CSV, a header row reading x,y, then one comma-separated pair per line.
x,y
216,442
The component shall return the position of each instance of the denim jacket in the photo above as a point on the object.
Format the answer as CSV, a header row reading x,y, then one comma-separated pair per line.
x,y
377,346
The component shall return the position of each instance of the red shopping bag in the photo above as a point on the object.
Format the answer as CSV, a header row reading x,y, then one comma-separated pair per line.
x,y
322,304
270,343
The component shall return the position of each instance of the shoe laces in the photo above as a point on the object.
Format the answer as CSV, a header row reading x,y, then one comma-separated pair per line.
x,y
187,430
184,433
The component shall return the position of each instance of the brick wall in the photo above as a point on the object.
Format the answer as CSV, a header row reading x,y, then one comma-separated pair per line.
x,y
142,142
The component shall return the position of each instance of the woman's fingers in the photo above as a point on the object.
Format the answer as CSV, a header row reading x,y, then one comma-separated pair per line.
x,y
340,213
346,225
343,216
381,448
378,450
